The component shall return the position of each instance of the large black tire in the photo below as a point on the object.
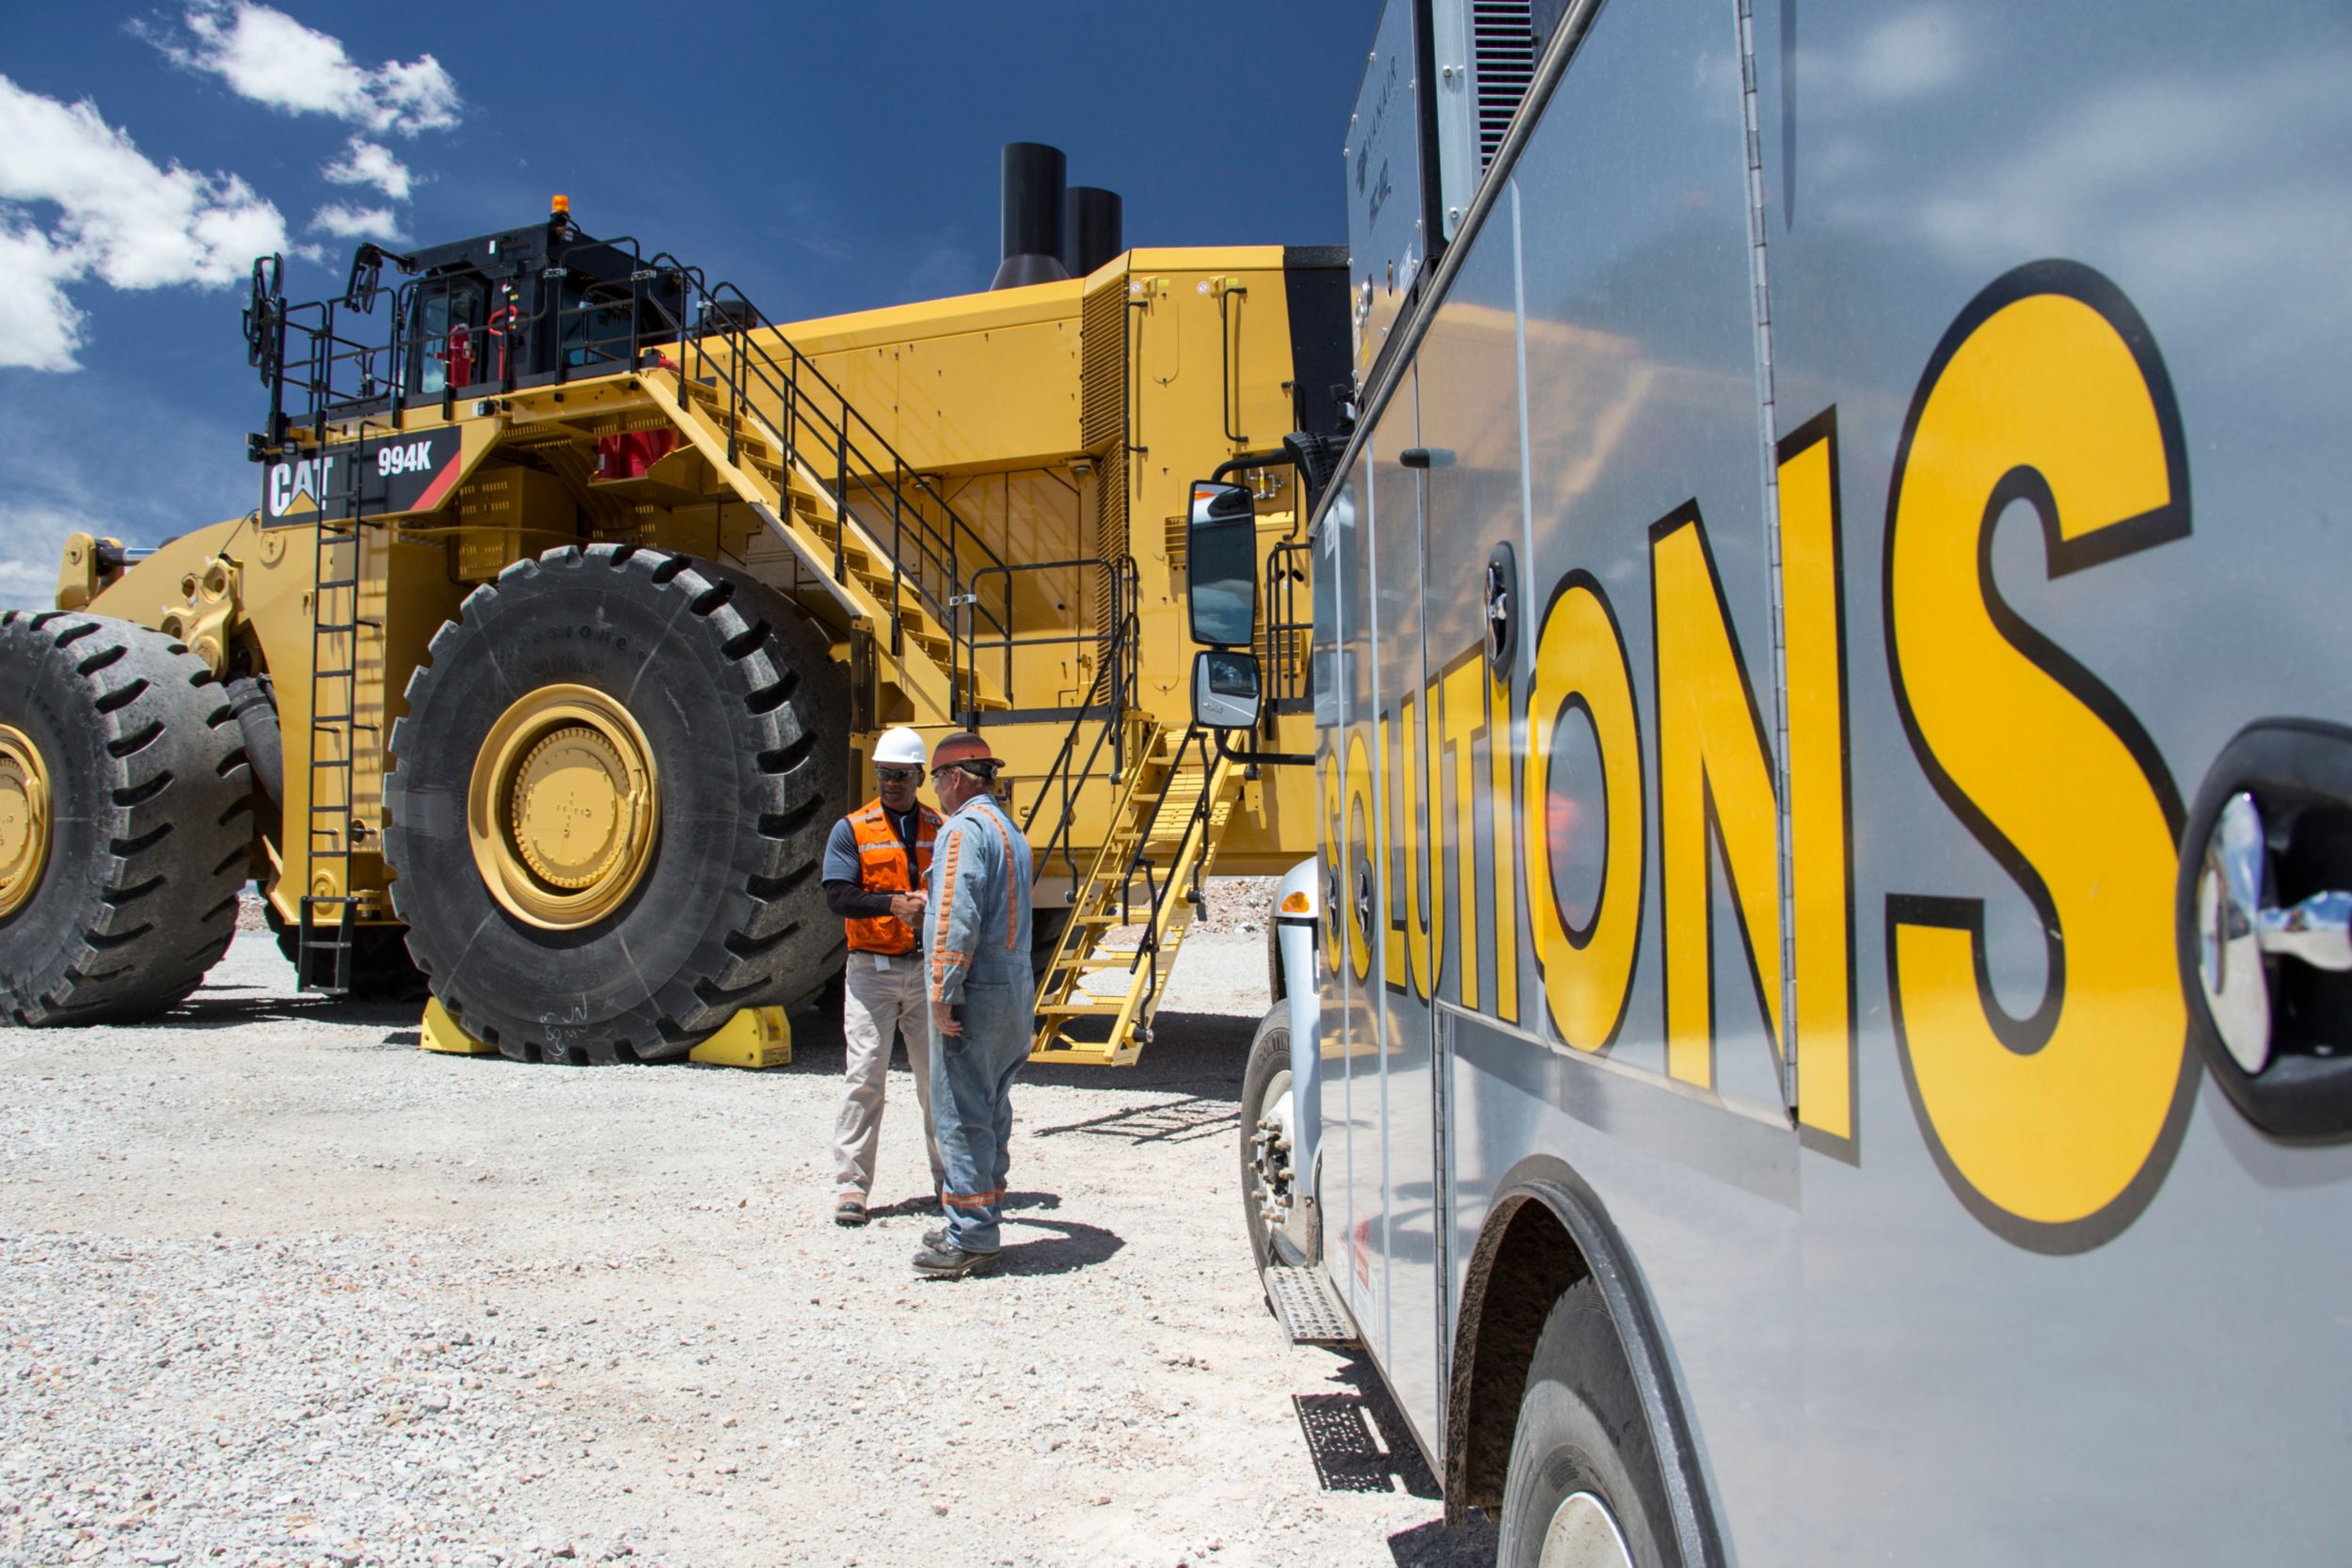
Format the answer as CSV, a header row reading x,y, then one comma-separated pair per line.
x,y
1045,929
745,715
151,819
254,701
1582,1429
1264,1081
380,969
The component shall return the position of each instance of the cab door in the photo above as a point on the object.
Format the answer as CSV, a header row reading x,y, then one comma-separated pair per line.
x,y
1355,1245
1405,1234
448,345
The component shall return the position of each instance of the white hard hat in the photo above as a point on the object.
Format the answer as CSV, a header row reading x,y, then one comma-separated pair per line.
x,y
897,747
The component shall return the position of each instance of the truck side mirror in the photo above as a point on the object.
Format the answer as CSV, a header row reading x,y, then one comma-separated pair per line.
x,y
1221,564
1225,689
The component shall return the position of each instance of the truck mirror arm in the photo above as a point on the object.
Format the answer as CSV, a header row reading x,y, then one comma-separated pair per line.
x,y
1255,759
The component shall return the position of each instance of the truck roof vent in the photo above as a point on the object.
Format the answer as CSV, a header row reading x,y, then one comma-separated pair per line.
x,y
1503,55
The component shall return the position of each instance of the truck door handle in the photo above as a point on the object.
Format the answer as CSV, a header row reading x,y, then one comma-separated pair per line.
x,y
2265,925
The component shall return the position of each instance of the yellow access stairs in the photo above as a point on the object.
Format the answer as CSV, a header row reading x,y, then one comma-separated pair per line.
x,y
744,444
1095,1000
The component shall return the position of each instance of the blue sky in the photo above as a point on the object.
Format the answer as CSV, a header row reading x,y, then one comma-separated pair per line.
x,y
826,158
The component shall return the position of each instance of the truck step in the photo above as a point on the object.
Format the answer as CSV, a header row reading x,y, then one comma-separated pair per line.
x,y
1309,1309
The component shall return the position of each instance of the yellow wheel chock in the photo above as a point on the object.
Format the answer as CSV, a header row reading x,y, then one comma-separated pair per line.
x,y
754,1037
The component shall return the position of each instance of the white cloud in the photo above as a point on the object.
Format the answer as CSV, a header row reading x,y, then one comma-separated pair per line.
x,y
27,585
1910,54
120,218
61,468
359,223
367,163
39,326
269,57
32,543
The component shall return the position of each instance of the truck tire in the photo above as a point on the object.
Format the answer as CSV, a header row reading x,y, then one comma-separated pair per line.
x,y
1045,929
1583,1486
1265,1084
609,805
253,699
125,819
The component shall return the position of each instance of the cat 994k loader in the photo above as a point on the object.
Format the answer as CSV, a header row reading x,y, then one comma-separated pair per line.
x,y
577,590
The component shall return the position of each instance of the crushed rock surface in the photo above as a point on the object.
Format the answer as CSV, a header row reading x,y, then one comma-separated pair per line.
x,y
278,1288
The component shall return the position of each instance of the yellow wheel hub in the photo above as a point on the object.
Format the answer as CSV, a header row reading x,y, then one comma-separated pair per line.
x,y
563,807
25,815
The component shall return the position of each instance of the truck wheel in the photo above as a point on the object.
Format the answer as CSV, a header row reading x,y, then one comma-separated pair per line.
x,y
1582,1490
381,969
1046,929
609,802
125,819
1281,1224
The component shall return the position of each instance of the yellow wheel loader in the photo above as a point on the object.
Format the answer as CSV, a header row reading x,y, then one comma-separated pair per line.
x,y
576,590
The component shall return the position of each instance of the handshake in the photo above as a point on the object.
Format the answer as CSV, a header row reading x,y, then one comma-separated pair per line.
x,y
908,906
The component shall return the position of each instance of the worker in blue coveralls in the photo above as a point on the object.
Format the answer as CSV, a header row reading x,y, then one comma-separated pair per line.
x,y
976,930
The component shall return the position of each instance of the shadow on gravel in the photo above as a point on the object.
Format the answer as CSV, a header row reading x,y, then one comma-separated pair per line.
x,y
242,1007
1436,1546
1196,1054
1199,1054
1358,1440
1165,1121
1077,1246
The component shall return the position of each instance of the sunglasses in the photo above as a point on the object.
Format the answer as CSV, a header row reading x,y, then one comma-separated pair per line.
x,y
984,771
899,775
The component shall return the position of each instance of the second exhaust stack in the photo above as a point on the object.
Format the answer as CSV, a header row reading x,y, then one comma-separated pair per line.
x,y
1089,228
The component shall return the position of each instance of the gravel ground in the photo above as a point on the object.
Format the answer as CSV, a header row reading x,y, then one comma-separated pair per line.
x,y
276,1286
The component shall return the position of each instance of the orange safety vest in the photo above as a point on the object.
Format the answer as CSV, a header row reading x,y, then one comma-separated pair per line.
x,y
881,864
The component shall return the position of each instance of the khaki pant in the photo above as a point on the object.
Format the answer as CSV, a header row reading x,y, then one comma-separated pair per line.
x,y
880,1001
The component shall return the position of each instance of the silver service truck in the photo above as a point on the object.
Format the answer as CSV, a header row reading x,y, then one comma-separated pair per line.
x,y
1818,1030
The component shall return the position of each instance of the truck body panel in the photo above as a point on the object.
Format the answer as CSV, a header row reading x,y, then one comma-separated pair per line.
x,y
1807,874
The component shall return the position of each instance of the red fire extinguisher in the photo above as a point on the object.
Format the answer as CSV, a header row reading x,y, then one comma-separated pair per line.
x,y
459,357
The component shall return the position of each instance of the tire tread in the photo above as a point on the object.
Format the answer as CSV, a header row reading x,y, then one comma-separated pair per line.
x,y
770,947
164,818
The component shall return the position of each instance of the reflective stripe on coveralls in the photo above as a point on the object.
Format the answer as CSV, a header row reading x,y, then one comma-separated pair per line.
x,y
977,928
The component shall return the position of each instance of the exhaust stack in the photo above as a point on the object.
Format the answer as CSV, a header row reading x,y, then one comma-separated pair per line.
x,y
1034,176
1089,228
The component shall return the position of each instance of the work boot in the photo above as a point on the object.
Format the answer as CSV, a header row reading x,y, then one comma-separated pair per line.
x,y
947,1260
935,1238
849,1211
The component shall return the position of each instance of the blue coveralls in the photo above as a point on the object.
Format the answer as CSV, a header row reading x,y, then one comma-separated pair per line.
x,y
975,928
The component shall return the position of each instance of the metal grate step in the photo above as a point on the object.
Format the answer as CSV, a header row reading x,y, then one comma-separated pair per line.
x,y
1308,1307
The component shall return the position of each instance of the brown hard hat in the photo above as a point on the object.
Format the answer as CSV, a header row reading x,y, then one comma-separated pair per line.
x,y
966,750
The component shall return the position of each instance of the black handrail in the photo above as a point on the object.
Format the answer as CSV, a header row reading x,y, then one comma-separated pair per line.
x,y
671,306
1140,863
1119,577
861,452
1289,638
1108,699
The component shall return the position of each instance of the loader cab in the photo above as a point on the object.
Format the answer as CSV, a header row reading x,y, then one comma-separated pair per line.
x,y
446,335
527,307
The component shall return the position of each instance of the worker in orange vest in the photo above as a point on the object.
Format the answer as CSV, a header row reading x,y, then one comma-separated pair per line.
x,y
877,863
